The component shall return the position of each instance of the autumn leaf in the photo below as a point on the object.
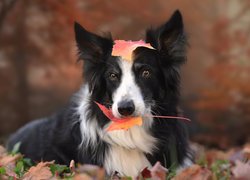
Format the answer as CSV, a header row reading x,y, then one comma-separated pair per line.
x,y
119,123
194,172
125,48
2,151
9,159
213,155
246,151
72,165
40,171
90,171
126,124
241,170
158,172
146,173
82,176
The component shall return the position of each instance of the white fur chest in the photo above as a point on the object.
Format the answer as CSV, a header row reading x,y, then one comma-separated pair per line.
x,y
127,148
128,162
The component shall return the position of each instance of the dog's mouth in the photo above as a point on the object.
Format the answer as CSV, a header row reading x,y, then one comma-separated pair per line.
x,y
129,121
123,123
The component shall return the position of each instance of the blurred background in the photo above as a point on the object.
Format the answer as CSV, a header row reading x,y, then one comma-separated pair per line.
x,y
39,72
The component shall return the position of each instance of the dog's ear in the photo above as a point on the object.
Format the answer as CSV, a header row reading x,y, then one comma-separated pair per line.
x,y
170,38
92,47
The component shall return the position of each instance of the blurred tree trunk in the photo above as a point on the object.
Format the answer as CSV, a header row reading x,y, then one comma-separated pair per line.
x,y
5,7
20,66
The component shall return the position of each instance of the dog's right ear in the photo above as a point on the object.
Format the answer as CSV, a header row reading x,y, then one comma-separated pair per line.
x,y
92,47
170,38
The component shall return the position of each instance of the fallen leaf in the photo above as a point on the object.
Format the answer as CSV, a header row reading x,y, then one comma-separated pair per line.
x,y
146,173
72,165
194,172
213,155
241,170
246,151
2,151
158,172
82,177
92,170
9,163
9,159
40,171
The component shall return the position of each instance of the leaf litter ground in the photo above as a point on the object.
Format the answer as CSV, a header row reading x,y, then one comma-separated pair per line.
x,y
210,164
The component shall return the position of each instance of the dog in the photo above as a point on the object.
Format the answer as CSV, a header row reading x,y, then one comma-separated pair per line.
x,y
149,83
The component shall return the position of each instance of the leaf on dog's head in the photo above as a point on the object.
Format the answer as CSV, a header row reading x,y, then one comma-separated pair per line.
x,y
125,48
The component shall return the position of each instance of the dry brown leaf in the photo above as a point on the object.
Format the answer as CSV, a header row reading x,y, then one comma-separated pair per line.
x,y
241,170
194,172
82,177
2,151
158,172
9,159
92,170
40,171
9,163
213,155
246,151
72,165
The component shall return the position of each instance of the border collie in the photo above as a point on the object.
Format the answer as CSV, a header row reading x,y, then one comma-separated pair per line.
x,y
147,84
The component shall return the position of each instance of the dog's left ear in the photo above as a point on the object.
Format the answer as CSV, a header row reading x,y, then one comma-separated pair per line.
x,y
92,47
170,38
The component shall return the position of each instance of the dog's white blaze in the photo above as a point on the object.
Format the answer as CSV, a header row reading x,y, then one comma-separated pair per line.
x,y
135,137
128,90
128,162
126,154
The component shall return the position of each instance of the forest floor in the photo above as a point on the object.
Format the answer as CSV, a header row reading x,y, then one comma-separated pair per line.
x,y
209,164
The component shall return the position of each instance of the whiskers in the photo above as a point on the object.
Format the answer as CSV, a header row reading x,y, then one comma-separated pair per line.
x,y
156,112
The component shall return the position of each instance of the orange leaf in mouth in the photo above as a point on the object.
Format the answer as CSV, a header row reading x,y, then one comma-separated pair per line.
x,y
128,123
119,123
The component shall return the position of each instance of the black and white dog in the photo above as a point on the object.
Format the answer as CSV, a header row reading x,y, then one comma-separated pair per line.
x,y
148,84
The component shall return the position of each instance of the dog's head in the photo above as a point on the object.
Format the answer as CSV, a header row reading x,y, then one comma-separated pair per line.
x,y
133,88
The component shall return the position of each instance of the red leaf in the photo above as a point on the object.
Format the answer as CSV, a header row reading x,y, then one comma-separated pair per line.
x,y
146,173
119,123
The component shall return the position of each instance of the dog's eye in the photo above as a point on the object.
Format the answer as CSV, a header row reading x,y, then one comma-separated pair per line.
x,y
145,74
113,77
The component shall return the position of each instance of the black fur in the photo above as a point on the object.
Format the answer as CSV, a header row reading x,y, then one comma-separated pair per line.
x,y
59,136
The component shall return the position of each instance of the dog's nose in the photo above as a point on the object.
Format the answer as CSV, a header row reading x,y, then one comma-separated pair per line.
x,y
126,108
